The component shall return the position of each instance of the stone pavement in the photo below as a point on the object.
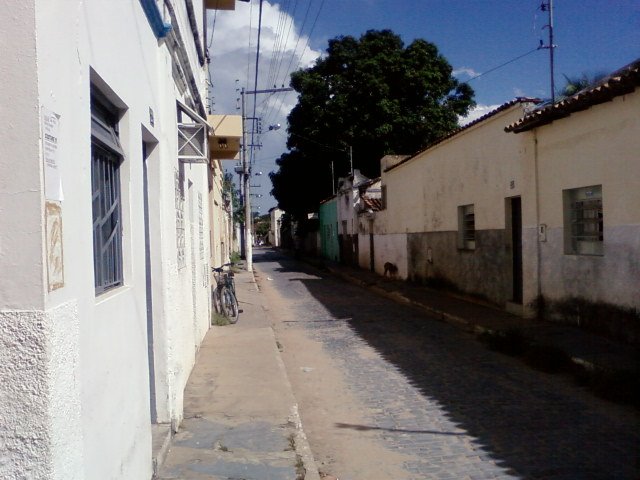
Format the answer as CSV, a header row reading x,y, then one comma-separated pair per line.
x,y
240,416
431,392
587,349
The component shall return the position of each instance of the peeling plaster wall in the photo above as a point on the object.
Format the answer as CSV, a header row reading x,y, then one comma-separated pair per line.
x,y
74,367
25,436
612,278
480,272
597,146
391,248
482,166
41,429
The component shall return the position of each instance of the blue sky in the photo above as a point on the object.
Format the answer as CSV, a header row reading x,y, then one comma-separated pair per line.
x,y
591,36
475,36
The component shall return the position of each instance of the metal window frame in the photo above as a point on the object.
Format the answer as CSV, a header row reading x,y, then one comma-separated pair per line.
x,y
584,221
106,157
107,219
467,227
192,136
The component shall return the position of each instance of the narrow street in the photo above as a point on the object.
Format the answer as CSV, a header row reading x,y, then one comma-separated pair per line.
x,y
385,392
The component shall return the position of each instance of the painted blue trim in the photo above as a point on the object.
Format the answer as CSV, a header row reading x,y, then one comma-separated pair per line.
x,y
151,10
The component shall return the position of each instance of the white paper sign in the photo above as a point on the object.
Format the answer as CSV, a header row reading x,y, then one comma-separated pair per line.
x,y
52,178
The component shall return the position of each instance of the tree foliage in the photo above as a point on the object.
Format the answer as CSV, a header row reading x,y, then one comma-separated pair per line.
x,y
230,191
574,84
373,94
262,225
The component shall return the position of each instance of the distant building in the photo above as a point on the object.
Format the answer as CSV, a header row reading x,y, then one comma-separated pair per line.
x,y
546,211
275,226
328,226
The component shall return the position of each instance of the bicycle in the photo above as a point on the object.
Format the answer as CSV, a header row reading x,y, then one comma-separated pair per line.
x,y
224,295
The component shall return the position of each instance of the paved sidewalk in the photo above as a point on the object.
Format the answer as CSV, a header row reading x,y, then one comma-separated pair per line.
x,y
590,350
240,419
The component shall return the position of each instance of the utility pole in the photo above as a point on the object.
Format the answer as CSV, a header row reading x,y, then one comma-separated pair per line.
x,y
246,175
246,241
548,7
351,158
333,179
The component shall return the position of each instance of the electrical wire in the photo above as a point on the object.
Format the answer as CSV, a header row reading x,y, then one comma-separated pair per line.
x,y
504,64
295,49
311,30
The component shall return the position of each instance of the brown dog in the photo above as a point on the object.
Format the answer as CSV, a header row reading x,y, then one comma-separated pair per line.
x,y
391,269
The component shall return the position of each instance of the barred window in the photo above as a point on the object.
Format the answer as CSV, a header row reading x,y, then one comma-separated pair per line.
x,y
466,227
106,158
583,221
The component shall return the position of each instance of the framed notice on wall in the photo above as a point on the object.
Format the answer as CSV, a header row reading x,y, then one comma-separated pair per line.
x,y
51,159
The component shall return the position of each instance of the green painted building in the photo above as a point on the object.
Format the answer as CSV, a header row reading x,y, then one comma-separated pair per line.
x,y
328,217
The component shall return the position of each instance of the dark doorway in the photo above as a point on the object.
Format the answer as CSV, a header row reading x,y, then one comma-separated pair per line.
x,y
146,151
516,242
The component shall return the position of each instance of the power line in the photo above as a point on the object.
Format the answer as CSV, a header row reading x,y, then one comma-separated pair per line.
x,y
313,26
255,83
505,63
295,49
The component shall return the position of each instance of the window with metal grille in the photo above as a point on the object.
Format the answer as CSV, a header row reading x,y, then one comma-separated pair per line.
x,y
466,227
106,157
584,221
192,136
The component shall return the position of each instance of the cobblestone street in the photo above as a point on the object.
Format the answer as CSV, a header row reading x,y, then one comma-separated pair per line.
x,y
425,390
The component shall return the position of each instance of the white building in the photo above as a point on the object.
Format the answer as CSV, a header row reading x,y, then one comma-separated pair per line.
x,y
347,201
528,206
104,215
275,215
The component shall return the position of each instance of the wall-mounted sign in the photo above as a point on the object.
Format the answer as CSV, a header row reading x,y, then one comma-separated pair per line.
x,y
51,159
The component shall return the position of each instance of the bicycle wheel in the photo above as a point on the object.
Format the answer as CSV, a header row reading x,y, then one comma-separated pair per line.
x,y
229,305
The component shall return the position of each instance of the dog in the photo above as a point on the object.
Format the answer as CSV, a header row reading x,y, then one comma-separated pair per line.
x,y
391,269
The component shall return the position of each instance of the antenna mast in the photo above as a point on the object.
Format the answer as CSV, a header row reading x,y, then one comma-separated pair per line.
x,y
548,7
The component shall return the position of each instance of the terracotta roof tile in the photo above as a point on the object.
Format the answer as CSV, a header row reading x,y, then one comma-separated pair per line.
x,y
620,82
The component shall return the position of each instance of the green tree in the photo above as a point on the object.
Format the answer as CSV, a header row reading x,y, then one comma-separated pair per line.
x,y
372,94
262,225
574,84
229,190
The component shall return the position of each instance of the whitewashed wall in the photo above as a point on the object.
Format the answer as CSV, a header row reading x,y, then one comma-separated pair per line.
x,y
481,166
598,146
84,406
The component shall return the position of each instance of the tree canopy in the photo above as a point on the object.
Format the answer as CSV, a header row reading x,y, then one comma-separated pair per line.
x,y
374,95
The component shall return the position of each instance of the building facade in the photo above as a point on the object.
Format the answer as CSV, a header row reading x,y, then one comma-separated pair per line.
x,y
328,225
104,291
540,214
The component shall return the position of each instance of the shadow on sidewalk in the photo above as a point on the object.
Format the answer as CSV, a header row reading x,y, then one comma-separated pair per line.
x,y
533,424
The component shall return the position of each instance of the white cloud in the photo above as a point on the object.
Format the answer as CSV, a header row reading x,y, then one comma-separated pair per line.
x,y
468,71
233,56
477,112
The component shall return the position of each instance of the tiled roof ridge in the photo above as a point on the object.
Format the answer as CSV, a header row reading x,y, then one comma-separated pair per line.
x,y
622,81
458,130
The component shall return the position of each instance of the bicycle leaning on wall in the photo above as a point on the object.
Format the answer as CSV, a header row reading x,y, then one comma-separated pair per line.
x,y
224,295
